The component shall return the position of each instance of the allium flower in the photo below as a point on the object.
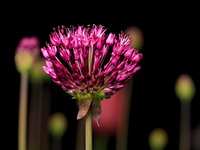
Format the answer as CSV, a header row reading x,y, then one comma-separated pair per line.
x,y
84,50
26,52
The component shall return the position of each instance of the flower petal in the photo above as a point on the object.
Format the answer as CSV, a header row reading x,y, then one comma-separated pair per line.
x,y
84,105
96,110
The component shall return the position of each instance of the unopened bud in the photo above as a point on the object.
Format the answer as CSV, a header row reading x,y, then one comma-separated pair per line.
x,y
27,51
57,124
158,139
185,88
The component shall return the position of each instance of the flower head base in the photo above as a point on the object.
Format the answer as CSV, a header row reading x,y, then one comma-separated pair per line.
x,y
27,51
84,50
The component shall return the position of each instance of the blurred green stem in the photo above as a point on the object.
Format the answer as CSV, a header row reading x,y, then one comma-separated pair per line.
x,y
57,143
88,130
185,133
22,112
101,142
122,129
35,117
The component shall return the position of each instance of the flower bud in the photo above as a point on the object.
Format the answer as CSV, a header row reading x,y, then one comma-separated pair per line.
x,y
136,59
100,43
131,67
185,88
110,39
57,124
128,53
64,55
45,53
121,65
55,41
112,79
52,50
82,79
95,88
68,86
115,61
101,83
135,70
107,90
77,43
122,77
109,71
158,139
27,52
101,75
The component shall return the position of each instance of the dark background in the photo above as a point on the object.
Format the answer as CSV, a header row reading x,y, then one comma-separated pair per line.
x,y
171,47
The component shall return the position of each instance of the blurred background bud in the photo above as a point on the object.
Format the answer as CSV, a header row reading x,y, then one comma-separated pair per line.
x,y
57,124
37,74
158,139
26,53
136,35
185,88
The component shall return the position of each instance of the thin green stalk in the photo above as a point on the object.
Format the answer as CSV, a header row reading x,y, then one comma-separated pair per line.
x,y
88,130
101,142
57,142
185,130
22,112
35,117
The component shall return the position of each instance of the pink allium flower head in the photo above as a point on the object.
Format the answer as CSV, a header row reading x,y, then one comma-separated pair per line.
x,y
27,51
84,50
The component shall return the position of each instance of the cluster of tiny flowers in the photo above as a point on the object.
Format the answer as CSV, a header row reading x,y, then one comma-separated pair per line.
x,y
84,50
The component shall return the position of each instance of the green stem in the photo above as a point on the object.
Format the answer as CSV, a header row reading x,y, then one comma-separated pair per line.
x,y
101,142
22,112
185,133
88,130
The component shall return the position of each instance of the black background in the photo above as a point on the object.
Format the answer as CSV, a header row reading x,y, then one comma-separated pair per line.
x,y
171,47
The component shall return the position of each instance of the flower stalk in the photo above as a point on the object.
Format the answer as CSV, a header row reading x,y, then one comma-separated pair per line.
x,y
185,128
22,112
185,91
88,130
26,53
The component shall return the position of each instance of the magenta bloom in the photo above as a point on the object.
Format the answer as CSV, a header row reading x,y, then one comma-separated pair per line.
x,y
84,50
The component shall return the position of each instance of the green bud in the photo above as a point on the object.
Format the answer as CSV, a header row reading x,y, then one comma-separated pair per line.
x,y
26,53
57,124
136,35
23,61
37,74
185,88
158,139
